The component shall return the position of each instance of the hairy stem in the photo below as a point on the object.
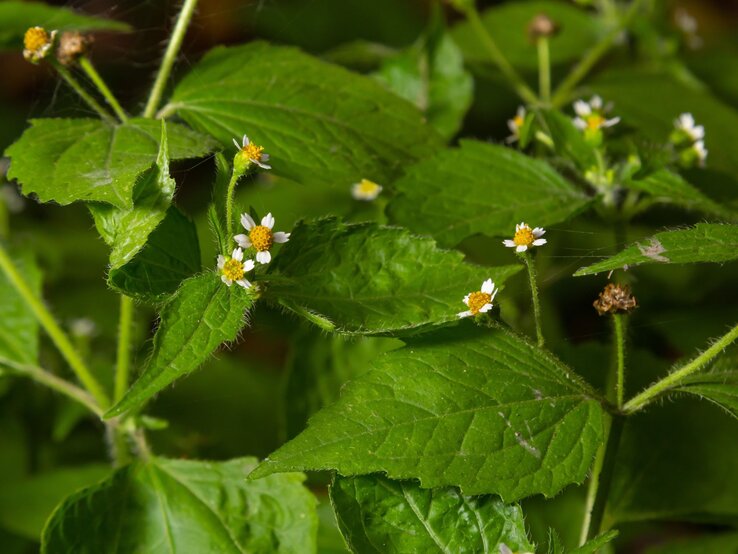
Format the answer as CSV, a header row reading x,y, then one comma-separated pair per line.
x,y
52,381
676,377
58,337
618,321
229,205
79,89
175,42
544,70
530,264
123,359
520,86
97,80
585,65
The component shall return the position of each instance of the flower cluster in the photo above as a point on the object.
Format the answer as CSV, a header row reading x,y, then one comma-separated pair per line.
x,y
689,140
365,190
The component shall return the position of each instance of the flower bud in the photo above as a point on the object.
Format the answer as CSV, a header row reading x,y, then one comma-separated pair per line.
x,y
542,26
615,299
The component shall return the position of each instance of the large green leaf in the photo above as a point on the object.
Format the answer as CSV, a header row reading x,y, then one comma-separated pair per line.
x,y
705,242
720,387
65,160
320,123
378,515
481,409
481,188
17,17
369,279
203,314
508,25
179,506
18,324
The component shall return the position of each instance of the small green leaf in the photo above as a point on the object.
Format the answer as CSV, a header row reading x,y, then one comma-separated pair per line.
x,y
705,242
369,279
65,160
203,314
319,122
593,546
378,515
481,188
17,17
174,506
481,409
18,324
171,255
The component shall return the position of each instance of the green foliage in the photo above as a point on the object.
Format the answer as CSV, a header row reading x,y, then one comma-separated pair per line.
x,y
485,411
718,387
378,515
185,506
501,187
18,324
320,123
66,160
705,242
203,314
723,542
368,279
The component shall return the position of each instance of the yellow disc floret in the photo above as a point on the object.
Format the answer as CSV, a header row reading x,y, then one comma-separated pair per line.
x,y
233,269
477,301
36,38
252,151
518,121
524,236
595,121
261,238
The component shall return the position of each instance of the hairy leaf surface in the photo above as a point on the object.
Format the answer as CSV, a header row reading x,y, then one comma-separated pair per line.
x,y
719,387
18,324
483,410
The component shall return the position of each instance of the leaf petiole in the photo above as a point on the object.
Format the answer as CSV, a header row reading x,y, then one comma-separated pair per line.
x,y
98,81
79,89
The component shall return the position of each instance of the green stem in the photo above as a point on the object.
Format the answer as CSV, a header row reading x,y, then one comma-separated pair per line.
x,y
534,294
675,378
600,480
544,70
52,381
618,321
97,80
523,90
72,82
58,337
175,42
229,205
122,366
586,64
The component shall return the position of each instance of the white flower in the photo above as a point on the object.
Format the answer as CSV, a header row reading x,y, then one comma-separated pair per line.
x,y
480,301
515,124
525,238
591,115
365,190
686,123
232,269
260,237
700,151
252,152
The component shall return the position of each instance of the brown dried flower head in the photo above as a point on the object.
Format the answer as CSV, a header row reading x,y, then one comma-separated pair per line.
x,y
542,26
72,45
615,299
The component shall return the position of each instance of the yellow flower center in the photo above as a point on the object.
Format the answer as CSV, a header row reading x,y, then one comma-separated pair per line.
x,y
35,38
252,152
524,236
518,121
261,237
595,121
367,187
233,269
477,300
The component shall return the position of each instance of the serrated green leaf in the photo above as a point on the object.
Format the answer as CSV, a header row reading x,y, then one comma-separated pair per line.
x,y
174,506
705,242
18,324
508,24
17,17
203,314
378,515
719,387
483,410
594,545
66,160
481,188
319,122
171,255
369,279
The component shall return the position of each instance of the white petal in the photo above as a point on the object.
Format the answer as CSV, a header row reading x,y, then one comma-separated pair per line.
x,y
495,293
484,309
521,248
521,111
596,102
268,220
581,108
248,265
580,124
513,128
280,237
488,286
539,232
466,299
698,133
464,314
504,549
247,221
243,241
245,140
226,280
236,143
261,165
263,257
237,254
611,122
244,283
509,243
539,242
221,261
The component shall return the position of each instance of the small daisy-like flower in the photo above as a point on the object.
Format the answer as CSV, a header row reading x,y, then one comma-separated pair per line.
x,y
685,123
233,269
260,237
37,43
480,301
365,190
591,115
525,238
515,124
251,153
